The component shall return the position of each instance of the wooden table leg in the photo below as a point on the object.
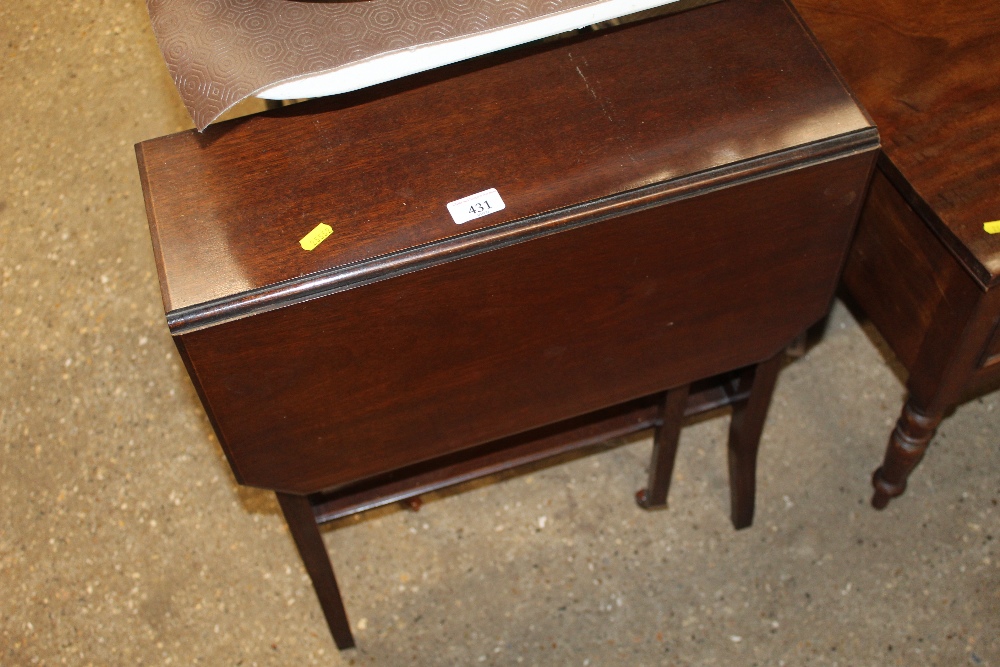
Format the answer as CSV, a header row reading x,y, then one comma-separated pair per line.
x,y
949,357
305,531
907,446
928,403
744,437
661,468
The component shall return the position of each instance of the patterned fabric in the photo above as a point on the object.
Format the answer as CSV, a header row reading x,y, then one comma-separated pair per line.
x,y
222,51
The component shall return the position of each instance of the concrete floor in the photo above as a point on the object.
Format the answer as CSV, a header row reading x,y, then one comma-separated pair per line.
x,y
125,541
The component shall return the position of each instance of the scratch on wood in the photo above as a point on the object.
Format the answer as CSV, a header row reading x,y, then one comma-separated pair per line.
x,y
602,104
590,89
586,83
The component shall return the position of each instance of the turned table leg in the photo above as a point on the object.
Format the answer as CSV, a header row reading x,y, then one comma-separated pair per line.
x,y
305,531
951,354
744,437
665,438
907,445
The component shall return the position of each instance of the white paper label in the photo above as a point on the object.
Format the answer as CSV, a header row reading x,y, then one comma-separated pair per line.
x,y
475,206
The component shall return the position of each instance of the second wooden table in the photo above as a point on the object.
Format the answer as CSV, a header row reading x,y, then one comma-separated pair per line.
x,y
923,266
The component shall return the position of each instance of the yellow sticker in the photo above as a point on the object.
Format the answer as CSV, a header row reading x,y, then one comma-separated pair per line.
x,y
992,227
316,236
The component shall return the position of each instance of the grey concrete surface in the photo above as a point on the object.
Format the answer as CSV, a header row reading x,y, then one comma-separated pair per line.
x,y
125,541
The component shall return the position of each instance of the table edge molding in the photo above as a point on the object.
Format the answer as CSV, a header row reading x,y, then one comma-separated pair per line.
x,y
358,274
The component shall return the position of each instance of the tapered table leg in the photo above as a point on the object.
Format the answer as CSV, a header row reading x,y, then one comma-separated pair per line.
x,y
744,437
907,445
665,438
305,531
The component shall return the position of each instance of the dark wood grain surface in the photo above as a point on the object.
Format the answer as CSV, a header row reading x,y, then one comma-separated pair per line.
x,y
901,273
929,74
228,207
374,378
668,221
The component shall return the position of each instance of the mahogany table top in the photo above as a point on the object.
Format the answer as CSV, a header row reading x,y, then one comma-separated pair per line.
x,y
227,208
929,74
